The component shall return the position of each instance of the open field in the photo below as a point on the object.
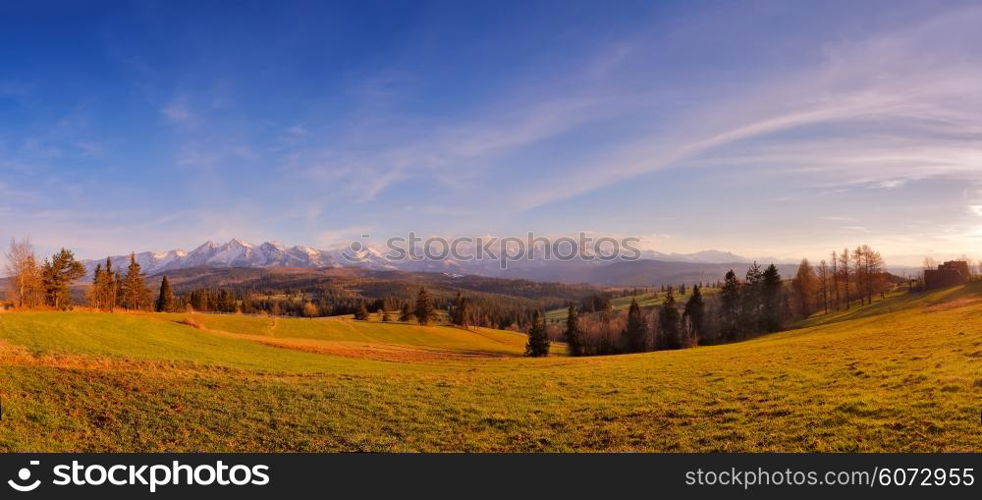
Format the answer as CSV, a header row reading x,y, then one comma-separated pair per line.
x,y
904,374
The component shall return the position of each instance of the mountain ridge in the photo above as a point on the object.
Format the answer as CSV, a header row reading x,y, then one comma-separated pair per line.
x,y
653,266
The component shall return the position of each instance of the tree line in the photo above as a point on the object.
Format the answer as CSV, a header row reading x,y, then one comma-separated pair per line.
x,y
761,302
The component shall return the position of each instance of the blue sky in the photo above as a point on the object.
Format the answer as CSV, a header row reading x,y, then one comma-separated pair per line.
x,y
764,128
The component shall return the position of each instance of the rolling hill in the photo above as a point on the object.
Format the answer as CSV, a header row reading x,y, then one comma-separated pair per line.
x,y
904,374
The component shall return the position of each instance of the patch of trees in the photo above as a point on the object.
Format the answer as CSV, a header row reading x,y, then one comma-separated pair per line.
x,y
111,290
847,278
760,302
33,284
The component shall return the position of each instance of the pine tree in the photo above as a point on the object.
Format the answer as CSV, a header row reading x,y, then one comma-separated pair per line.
x,y
362,312
669,329
95,294
729,306
694,317
406,313
538,342
461,311
636,331
751,300
572,334
135,293
771,299
165,298
109,287
57,275
424,307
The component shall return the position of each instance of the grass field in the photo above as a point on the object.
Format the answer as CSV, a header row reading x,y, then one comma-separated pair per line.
x,y
904,374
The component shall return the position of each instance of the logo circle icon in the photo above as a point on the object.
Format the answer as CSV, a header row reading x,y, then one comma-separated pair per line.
x,y
24,474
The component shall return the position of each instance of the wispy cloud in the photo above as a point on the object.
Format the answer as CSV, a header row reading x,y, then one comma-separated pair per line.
x,y
178,110
909,101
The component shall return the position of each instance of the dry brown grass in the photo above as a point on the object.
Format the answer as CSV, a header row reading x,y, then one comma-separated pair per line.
x,y
193,323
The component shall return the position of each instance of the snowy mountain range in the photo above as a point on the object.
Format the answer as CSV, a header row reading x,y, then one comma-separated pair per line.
x,y
238,253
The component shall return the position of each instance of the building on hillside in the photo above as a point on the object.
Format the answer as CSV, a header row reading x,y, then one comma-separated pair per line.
x,y
952,272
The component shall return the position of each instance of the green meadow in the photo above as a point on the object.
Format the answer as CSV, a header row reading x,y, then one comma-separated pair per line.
x,y
903,374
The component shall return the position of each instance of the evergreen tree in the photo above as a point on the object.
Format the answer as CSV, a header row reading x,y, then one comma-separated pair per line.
x,y
199,301
135,293
729,306
110,287
424,307
538,342
165,298
694,317
225,302
362,312
95,294
57,276
636,331
751,300
461,311
406,313
669,328
771,299
572,334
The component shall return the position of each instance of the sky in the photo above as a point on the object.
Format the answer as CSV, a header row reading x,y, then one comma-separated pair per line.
x,y
769,128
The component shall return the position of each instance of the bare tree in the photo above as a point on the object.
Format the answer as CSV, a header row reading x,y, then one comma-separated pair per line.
x,y
875,279
845,276
24,273
823,284
859,271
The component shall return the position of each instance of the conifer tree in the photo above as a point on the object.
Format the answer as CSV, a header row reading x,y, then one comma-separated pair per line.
x,y
461,311
538,341
406,313
165,298
110,287
771,299
424,307
135,293
58,274
636,331
669,328
751,300
572,334
694,316
95,294
729,306
362,312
